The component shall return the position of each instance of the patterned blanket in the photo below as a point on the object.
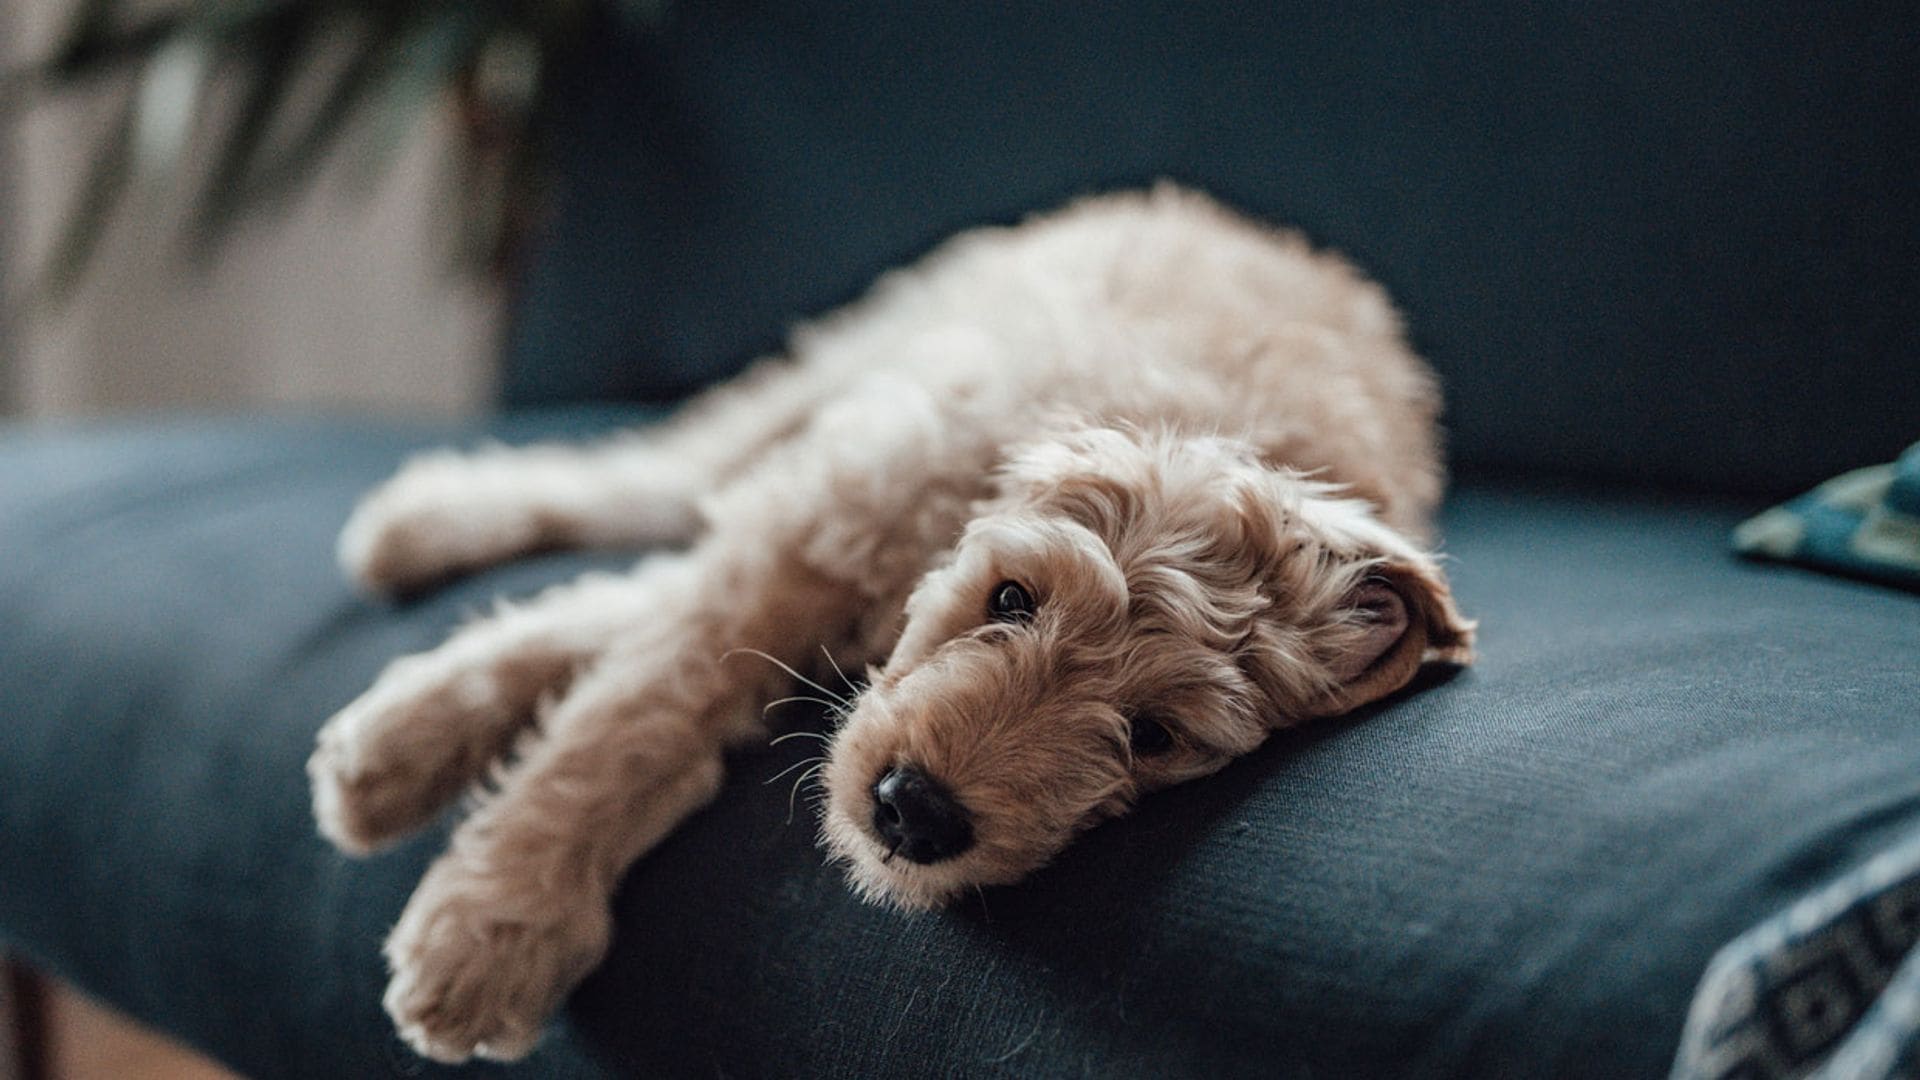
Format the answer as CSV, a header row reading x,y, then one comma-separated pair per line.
x,y
1829,989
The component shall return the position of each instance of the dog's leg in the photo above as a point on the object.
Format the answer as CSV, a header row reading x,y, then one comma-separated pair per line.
x,y
445,513
516,910
818,548
433,722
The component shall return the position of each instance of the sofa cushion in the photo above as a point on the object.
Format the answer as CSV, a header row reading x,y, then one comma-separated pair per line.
x,y
1521,870
1662,242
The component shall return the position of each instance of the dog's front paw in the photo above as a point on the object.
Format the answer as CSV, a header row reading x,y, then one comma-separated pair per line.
x,y
361,806
478,968
440,516
388,762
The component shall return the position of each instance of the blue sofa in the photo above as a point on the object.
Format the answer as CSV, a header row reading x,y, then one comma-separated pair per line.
x,y
1663,259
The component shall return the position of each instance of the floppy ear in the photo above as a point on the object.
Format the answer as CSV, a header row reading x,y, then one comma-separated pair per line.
x,y
1405,616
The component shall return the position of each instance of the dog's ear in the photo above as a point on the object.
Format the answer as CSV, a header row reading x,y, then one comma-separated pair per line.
x,y
1355,608
1400,615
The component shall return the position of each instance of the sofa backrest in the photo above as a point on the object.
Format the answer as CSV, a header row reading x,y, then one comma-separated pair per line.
x,y
1676,243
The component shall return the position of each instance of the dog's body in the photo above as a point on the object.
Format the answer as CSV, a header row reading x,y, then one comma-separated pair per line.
x,y
1113,410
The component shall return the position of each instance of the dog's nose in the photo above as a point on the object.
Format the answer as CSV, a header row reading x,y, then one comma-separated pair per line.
x,y
918,818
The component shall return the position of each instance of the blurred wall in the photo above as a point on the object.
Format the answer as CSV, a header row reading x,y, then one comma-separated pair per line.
x,y
341,297
7,33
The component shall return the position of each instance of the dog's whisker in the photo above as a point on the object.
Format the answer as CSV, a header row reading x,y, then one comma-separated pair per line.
x,y
788,771
831,707
835,664
788,668
793,792
778,739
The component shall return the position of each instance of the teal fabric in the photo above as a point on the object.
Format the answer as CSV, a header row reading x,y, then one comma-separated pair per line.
x,y
1649,241
1521,871
1865,523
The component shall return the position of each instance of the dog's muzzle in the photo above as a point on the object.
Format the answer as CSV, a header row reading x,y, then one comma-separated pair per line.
x,y
916,817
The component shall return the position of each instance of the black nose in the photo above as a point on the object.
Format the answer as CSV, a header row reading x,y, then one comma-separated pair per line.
x,y
916,817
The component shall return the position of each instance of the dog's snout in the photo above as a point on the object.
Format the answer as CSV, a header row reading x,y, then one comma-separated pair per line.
x,y
915,816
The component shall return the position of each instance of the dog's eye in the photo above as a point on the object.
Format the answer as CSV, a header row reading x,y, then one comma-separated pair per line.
x,y
1148,736
1009,602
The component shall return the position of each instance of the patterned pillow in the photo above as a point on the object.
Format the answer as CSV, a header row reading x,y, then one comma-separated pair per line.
x,y
1865,523
1832,983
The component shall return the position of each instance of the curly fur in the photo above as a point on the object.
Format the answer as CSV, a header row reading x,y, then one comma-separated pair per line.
x,y
1203,447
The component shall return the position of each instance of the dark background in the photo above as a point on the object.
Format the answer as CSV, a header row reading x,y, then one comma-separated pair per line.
x,y
1671,244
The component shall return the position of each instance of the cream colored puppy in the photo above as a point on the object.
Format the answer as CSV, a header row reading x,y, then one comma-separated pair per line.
x,y
1106,496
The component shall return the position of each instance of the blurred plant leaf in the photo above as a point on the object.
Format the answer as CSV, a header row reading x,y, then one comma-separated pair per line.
x,y
275,45
91,37
387,60
106,180
373,54
166,104
433,53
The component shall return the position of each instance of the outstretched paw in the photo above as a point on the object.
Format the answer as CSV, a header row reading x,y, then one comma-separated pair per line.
x,y
442,515
478,969
388,762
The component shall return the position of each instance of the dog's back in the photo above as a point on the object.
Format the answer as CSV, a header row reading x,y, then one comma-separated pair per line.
x,y
1159,308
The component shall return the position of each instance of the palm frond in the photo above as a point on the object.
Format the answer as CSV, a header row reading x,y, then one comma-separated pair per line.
x,y
306,72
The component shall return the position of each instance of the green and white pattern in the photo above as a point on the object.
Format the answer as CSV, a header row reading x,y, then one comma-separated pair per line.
x,y
1865,523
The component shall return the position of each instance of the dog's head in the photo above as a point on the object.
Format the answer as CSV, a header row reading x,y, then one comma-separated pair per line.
x,y
1133,610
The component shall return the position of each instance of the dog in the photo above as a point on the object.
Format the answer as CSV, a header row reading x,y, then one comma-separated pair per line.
x,y
1097,501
